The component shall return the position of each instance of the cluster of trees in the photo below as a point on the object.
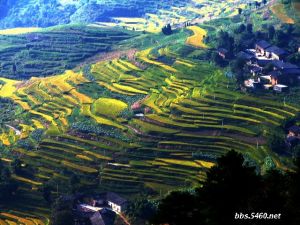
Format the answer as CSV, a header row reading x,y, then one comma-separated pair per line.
x,y
62,213
232,186
8,187
7,112
167,30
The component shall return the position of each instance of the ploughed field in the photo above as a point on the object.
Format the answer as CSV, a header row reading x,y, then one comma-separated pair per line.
x,y
142,124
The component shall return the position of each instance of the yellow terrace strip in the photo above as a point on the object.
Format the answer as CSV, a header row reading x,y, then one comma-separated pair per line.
x,y
4,139
184,63
196,40
6,160
205,163
24,105
8,88
179,162
46,117
143,55
26,221
37,124
20,30
83,99
26,180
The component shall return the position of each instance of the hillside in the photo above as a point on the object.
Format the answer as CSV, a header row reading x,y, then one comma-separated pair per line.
x,y
140,15
102,107
48,52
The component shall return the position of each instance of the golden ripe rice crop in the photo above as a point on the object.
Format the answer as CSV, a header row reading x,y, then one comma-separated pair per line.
x,y
196,40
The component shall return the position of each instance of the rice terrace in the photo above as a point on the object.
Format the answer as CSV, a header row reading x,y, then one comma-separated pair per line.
x,y
109,108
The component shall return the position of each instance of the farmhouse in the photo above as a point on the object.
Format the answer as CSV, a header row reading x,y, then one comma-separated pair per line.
x,y
92,217
223,53
276,53
99,209
248,56
293,136
262,46
107,200
116,202
284,73
293,131
280,65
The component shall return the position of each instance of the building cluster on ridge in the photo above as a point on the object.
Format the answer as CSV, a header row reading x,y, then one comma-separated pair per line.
x,y
281,74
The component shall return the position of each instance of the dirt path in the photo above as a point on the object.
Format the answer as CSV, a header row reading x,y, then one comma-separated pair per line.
x,y
130,54
250,140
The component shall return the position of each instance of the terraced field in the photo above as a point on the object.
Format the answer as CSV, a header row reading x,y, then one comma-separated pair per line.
x,y
179,12
27,52
144,124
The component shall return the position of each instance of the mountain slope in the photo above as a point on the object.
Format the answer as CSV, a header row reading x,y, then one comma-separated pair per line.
x,y
44,13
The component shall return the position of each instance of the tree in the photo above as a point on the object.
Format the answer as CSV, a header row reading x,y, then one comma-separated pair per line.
x,y
271,32
241,29
167,30
234,186
17,166
47,193
229,188
249,28
281,38
141,210
61,213
218,60
7,186
178,208
74,183
276,143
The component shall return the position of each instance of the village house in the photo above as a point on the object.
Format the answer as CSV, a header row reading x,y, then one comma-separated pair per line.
x,y
92,217
284,73
108,200
247,56
116,202
276,53
99,209
293,136
293,131
223,53
262,46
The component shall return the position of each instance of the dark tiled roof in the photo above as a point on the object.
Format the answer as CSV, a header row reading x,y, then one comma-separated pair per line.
x,y
263,62
256,69
293,71
222,50
283,65
104,217
274,73
295,129
113,197
96,219
276,50
263,44
244,55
